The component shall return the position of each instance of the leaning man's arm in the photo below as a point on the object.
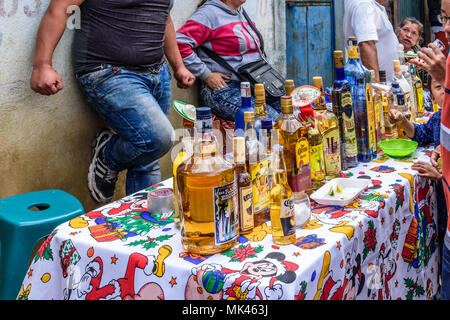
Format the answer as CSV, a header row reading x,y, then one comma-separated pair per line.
x,y
369,56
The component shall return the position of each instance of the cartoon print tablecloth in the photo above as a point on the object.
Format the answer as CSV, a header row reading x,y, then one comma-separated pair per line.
x,y
383,246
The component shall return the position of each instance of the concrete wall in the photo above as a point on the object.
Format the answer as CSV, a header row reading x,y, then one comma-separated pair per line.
x,y
45,141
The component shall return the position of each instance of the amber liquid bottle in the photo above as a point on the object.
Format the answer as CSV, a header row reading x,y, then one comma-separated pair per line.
x,y
282,214
244,183
208,190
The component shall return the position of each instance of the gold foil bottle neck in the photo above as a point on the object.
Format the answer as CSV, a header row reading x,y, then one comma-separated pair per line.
x,y
318,83
286,105
290,86
259,91
239,149
249,116
339,58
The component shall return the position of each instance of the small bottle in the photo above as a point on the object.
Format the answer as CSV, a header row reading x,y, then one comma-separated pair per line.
x,y
258,168
244,184
260,107
282,214
289,85
246,98
208,190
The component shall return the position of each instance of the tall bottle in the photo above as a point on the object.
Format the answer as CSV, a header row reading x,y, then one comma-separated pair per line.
x,y
268,137
258,168
379,115
246,98
328,125
260,107
293,136
244,185
185,153
400,105
418,92
387,100
343,109
412,106
208,191
403,83
282,215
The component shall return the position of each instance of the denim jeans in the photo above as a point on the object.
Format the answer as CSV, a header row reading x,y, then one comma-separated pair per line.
x,y
225,102
445,274
136,107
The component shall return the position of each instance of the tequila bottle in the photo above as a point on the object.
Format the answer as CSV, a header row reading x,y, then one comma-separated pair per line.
x,y
343,109
208,191
282,214
379,115
260,107
387,99
418,92
403,83
246,98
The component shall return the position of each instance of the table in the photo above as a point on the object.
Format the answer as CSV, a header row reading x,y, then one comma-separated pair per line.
x,y
382,246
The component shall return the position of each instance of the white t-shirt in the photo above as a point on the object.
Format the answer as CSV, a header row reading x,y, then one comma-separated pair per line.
x,y
367,20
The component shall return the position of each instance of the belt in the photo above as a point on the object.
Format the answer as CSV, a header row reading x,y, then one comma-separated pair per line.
x,y
83,72
144,70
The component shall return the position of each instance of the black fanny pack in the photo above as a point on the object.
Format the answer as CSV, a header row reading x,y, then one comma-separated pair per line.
x,y
255,72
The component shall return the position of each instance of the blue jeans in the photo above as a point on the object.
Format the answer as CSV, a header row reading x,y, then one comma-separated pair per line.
x,y
225,102
445,274
136,107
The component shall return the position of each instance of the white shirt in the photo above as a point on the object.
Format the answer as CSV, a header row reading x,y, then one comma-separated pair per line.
x,y
367,20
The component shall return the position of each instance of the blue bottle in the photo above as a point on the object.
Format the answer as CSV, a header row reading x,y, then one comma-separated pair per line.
x,y
246,98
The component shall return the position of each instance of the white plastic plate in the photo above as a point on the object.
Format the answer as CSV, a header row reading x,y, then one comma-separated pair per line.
x,y
351,189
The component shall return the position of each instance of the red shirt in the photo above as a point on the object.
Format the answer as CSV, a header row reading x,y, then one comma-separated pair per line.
x,y
445,146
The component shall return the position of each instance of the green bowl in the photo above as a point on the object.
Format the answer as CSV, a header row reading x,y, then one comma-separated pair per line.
x,y
398,147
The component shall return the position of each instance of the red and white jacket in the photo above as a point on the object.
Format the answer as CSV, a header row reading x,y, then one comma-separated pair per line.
x,y
222,30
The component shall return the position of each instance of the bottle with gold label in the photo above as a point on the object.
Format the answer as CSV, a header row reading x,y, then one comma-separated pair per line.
x,y
258,168
260,107
387,100
328,125
244,184
343,109
293,136
290,86
378,110
282,214
208,191
418,92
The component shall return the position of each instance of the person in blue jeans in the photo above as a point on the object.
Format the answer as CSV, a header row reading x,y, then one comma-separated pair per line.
x,y
120,56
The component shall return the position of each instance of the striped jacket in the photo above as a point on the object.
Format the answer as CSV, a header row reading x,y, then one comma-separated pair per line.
x,y
445,147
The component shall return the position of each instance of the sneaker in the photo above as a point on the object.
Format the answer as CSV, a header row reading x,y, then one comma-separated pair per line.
x,y
101,179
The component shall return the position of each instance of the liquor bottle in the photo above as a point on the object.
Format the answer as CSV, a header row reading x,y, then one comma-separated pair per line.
x,y
390,129
290,86
208,191
403,83
400,105
379,115
258,167
282,214
343,109
293,136
244,185
246,98
412,106
418,92
328,125
184,153
267,139
260,107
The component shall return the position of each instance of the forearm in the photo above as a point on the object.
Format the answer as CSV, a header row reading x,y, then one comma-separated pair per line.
x,y
171,47
369,57
51,30
408,127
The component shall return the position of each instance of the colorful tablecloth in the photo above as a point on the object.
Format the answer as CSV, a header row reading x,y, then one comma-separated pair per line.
x,y
382,246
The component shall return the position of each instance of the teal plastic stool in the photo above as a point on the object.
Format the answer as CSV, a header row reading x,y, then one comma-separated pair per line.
x,y
24,220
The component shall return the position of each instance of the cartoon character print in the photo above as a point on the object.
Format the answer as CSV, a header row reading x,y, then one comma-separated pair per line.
x,y
256,280
386,269
89,285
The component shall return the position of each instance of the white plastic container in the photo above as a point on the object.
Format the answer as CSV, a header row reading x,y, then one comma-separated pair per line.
x,y
351,188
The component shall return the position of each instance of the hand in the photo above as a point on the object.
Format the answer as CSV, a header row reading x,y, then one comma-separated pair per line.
x,y
396,116
45,80
434,62
215,80
435,155
427,171
184,77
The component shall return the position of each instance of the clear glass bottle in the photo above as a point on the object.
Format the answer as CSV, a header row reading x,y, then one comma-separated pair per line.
x,y
390,129
379,115
246,98
418,92
260,107
293,136
244,183
282,213
267,139
258,168
208,190
343,109
403,83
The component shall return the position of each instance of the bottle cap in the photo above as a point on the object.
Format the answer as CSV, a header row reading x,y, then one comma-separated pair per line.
x,y
259,90
289,85
397,68
286,105
203,113
318,82
339,58
249,116
239,149
266,124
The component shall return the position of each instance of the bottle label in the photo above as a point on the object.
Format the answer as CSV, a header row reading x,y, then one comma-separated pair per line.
x,y
287,217
351,148
302,152
370,117
260,185
301,178
317,163
353,52
226,214
332,152
246,208
420,101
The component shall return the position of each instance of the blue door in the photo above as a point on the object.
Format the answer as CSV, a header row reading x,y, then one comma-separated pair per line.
x,y
309,41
